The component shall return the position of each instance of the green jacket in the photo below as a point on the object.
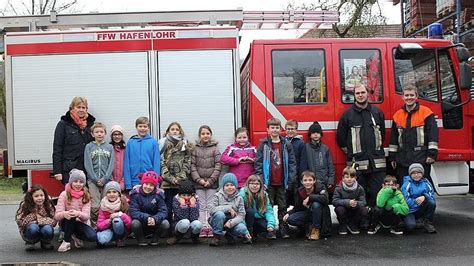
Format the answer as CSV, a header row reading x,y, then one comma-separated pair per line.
x,y
392,200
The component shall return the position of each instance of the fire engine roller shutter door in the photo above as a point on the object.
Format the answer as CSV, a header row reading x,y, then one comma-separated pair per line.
x,y
197,88
115,85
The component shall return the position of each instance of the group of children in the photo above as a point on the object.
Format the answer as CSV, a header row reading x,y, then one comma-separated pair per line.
x,y
122,192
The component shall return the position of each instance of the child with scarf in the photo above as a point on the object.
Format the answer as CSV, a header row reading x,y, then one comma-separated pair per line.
x,y
35,218
116,136
113,222
176,162
349,203
73,212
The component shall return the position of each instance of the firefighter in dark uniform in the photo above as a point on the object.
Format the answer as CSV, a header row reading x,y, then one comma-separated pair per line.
x,y
360,134
414,137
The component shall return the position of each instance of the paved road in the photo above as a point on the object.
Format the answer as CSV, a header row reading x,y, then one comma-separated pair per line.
x,y
454,244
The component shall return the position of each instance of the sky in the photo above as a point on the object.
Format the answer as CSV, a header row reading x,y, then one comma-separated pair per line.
x,y
103,6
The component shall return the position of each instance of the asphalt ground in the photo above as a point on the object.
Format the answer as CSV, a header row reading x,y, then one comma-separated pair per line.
x,y
453,244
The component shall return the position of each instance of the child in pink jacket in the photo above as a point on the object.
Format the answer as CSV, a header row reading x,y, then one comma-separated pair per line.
x,y
73,212
240,156
113,221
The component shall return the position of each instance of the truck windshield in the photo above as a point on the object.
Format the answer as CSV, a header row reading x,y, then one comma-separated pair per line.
x,y
420,69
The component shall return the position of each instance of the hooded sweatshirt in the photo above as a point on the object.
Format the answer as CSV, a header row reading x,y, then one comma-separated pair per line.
x,y
99,161
141,155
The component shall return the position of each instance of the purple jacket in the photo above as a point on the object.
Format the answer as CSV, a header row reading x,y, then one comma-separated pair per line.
x,y
231,157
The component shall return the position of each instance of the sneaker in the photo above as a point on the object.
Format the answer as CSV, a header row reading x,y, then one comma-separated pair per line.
x,y
271,235
47,246
215,241
374,229
343,229
142,244
230,239
353,229
131,236
29,246
172,241
204,232
210,234
77,242
195,238
120,243
429,227
247,239
396,231
284,231
154,242
65,246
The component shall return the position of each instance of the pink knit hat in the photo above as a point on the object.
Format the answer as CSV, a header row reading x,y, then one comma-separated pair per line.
x,y
116,128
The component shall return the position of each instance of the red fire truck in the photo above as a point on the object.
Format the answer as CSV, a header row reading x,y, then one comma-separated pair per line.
x,y
313,80
191,74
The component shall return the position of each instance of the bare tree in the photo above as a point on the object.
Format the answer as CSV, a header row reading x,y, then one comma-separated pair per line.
x,y
359,18
39,7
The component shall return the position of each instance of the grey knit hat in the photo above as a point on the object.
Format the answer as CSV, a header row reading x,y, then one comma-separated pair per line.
x,y
76,174
111,185
416,167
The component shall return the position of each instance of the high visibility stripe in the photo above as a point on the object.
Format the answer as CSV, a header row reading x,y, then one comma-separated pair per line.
x,y
355,139
392,148
420,136
380,163
378,138
433,145
400,137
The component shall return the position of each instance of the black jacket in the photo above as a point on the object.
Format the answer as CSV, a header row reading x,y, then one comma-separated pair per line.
x,y
356,126
317,158
68,146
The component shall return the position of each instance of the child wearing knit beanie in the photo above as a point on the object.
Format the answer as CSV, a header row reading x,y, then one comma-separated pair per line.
x,y
113,223
186,213
228,213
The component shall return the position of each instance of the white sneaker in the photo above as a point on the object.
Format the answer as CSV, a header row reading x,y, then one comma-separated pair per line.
x,y
65,246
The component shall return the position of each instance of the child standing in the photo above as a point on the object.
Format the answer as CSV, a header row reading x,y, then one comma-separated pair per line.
x,y
186,213
228,213
35,218
113,222
142,154
259,216
73,212
116,136
148,209
390,208
419,195
176,162
311,209
205,171
291,130
276,163
317,157
240,156
99,164
349,203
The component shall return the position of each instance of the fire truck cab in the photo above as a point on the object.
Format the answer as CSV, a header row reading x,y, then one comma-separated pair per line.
x,y
313,80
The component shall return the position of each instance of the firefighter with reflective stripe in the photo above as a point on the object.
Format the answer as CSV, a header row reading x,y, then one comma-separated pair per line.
x,y
414,137
360,134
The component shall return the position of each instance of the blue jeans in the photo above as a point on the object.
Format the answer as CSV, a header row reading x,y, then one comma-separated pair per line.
x,y
34,233
312,216
218,219
426,211
184,226
116,231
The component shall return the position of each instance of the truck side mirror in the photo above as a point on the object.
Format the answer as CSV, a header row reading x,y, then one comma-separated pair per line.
x,y
465,72
463,54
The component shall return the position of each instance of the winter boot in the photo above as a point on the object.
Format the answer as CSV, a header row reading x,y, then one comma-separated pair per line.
x,y
175,239
215,241
314,233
